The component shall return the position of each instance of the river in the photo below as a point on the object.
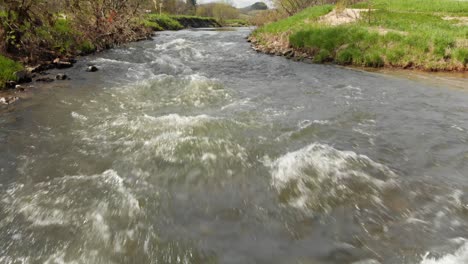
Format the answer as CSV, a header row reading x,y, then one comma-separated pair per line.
x,y
193,148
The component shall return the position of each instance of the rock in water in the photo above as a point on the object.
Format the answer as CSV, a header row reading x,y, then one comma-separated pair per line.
x,y
20,88
61,76
45,79
23,76
63,64
10,84
92,68
8,100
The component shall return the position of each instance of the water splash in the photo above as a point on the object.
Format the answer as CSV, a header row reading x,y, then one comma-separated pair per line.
x,y
319,178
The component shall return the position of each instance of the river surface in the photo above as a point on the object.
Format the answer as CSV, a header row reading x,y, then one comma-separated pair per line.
x,y
192,148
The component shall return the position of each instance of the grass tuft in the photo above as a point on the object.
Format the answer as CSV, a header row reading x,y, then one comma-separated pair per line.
x,y
7,70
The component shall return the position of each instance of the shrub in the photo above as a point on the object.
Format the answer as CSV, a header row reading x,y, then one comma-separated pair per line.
x,y
87,47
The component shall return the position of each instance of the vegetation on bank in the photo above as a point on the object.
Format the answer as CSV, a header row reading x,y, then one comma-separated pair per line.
x,y
8,68
398,33
236,23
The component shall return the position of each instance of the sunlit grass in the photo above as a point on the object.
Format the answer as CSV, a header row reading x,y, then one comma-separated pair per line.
x,y
297,21
7,69
397,34
449,6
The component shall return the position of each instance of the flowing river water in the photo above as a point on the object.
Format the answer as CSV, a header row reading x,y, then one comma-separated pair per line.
x,y
192,148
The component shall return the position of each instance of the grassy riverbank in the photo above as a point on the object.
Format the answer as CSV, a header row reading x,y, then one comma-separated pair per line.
x,y
178,22
8,68
429,35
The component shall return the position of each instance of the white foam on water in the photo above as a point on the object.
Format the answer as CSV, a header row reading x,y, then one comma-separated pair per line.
x,y
176,121
168,64
15,260
200,91
172,138
306,123
303,125
185,49
59,201
173,44
193,90
100,209
460,256
102,62
79,116
318,177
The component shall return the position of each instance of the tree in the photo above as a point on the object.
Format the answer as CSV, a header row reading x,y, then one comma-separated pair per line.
x,y
220,11
22,21
192,6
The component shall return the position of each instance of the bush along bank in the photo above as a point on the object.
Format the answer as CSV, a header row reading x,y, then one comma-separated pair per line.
x,y
402,34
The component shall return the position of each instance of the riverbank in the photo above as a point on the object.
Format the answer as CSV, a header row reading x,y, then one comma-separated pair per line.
x,y
400,34
177,22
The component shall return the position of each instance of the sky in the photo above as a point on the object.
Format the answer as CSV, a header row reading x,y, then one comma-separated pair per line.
x,y
237,3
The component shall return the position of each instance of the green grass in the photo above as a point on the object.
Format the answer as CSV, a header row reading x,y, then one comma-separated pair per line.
x,y
429,6
236,23
164,22
7,70
192,17
174,22
152,24
298,21
60,36
405,35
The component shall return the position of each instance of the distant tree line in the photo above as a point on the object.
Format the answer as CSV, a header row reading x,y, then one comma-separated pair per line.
x,y
220,10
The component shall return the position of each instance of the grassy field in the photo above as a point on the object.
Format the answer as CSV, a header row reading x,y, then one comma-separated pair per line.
x,y
7,70
422,34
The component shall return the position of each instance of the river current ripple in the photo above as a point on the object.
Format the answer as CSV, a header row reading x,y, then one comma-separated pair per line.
x,y
192,148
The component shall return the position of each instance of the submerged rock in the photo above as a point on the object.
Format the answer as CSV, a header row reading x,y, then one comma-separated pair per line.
x,y
63,64
20,88
8,100
10,84
61,76
45,79
40,68
92,68
23,76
